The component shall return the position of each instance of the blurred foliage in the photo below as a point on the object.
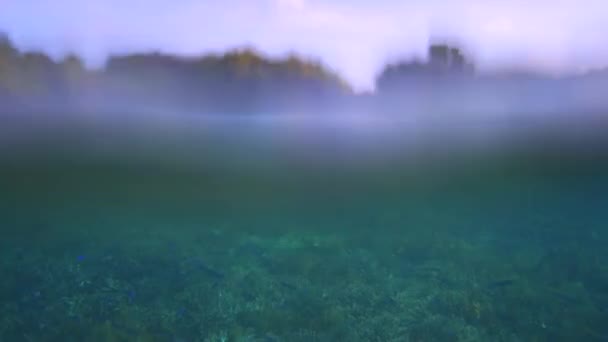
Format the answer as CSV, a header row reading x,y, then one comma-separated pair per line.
x,y
443,61
239,81
244,81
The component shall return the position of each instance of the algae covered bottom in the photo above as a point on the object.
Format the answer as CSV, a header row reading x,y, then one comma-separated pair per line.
x,y
250,244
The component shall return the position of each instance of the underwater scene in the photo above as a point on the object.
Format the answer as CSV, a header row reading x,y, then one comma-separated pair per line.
x,y
259,230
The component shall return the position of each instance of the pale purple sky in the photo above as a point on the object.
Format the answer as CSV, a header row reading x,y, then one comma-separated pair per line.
x,y
353,37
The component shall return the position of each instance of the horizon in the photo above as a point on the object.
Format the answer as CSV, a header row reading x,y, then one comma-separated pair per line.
x,y
555,38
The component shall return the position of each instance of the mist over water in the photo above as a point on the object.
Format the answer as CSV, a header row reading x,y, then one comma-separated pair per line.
x,y
338,137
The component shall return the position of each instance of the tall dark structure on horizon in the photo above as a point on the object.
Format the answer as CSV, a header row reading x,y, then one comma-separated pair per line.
x,y
445,58
444,64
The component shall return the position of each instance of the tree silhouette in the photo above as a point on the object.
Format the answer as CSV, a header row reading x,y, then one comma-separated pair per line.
x,y
238,81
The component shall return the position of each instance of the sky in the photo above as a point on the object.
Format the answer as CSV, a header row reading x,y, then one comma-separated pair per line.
x,y
353,37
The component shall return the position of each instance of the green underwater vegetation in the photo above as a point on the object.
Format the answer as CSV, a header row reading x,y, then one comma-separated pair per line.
x,y
502,251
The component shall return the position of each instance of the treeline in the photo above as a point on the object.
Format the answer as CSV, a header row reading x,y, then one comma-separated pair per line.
x,y
447,82
239,81
244,81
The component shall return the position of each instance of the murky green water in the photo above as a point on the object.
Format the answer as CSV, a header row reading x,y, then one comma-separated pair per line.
x,y
204,237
